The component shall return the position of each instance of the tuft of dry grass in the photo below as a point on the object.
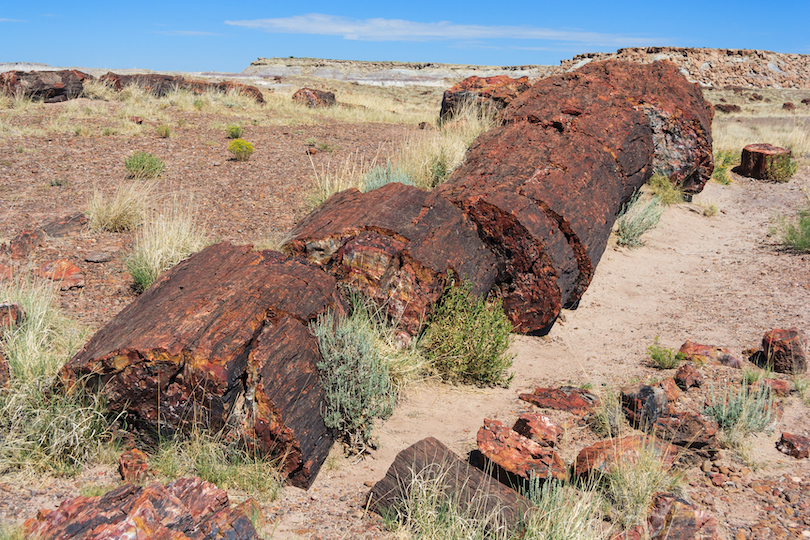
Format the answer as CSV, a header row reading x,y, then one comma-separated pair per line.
x,y
123,211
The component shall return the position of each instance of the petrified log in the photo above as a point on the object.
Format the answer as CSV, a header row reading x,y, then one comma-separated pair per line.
x,y
186,509
159,85
222,338
429,461
312,97
515,458
48,86
763,161
396,244
496,92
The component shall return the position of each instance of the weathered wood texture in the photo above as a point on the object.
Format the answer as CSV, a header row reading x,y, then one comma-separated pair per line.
x,y
160,85
763,161
496,92
429,461
222,339
47,86
396,244
186,509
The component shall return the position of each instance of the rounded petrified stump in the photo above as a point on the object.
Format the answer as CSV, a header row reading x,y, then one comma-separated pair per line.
x,y
765,162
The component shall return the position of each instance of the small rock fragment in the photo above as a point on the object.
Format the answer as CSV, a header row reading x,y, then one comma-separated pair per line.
x,y
796,446
133,466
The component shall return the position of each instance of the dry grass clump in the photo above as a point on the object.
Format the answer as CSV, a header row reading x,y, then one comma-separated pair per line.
x,y
166,238
123,211
350,173
791,134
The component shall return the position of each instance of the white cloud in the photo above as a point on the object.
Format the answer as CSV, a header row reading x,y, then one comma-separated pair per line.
x,y
186,33
401,30
10,20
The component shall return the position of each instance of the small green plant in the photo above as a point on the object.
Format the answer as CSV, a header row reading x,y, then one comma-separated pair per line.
x,y
723,161
380,175
607,417
740,410
163,131
234,131
440,168
668,192
467,338
802,385
781,168
636,218
241,149
58,182
709,209
794,233
199,104
354,378
144,165
664,357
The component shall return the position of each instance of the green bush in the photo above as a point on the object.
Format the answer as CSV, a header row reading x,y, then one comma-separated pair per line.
x,y
163,131
467,338
723,161
795,233
742,409
234,131
663,357
144,165
380,175
781,168
636,218
668,193
241,149
354,377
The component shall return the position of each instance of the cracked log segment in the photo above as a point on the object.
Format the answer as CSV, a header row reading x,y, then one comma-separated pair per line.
x,y
48,86
222,340
395,244
545,187
160,85
430,462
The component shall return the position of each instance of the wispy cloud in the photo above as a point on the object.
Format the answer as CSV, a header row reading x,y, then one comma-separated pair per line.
x,y
402,30
186,33
11,20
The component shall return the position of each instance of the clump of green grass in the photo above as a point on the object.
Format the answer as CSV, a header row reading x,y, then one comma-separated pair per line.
x,y
45,428
636,218
164,240
664,357
228,465
740,411
354,377
144,165
241,149
234,131
723,161
124,211
667,192
467,338
381,175
781,169
607,417
163,131
795,233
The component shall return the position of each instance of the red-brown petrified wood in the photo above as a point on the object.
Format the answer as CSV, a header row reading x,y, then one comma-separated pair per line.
x,y
222,337
396,244
47,86
516,458
496,92
160,85
762,160
430,461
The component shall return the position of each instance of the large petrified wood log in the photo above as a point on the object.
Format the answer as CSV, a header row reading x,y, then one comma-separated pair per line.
x,y
222,340
160,85
48,86
186,509
429,462
396,244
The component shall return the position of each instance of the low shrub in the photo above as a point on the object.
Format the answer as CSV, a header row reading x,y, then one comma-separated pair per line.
x,y
723,161
241,149
354,377
667,192
467,338
664,357
234,131
163,131
636,218
742,409
795,233
607,417
144,165
381,175
782,169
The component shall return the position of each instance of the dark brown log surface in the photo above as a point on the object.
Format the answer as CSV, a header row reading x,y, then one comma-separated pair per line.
x,y
760,160
160,85
222,337
48,86
396,244
429,460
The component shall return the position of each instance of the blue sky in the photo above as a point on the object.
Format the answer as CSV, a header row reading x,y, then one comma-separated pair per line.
x,y
227,36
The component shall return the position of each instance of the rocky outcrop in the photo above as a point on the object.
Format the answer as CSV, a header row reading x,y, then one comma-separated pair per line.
x,y
493,93
47,86
717,67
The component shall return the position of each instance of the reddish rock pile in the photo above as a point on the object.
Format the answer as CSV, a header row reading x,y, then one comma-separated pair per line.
x,y
495,92
186,509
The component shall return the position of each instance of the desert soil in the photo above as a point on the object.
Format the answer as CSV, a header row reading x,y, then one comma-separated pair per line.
x,y
719,280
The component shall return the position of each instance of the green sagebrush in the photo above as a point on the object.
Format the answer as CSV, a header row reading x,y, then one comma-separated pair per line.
x,y
144,165
636,218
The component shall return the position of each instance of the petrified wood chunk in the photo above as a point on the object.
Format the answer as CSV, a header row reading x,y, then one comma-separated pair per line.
x,y
566,398
429,461
763,160
604,456
783,350
696,352
539,428
395,244
643,404
797,446
312,97
186,509
159,85
496,92
672,517
516,458
48,86
222,338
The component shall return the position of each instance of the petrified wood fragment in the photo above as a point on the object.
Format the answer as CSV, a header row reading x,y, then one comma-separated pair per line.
x,y
764,161
222,338
395,244
496,92
515,458
566,398
783,350
186,509
429,461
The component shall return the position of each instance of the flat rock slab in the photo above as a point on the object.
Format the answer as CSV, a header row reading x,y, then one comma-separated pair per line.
x,y
186,509
713,354
222,338
566,398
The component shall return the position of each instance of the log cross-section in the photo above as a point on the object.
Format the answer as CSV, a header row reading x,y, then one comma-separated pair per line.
x,y
221,340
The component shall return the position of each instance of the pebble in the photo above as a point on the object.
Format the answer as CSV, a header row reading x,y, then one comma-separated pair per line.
x,y
98,257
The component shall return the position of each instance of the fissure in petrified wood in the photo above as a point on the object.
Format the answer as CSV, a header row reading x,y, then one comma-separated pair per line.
x,y
222,340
